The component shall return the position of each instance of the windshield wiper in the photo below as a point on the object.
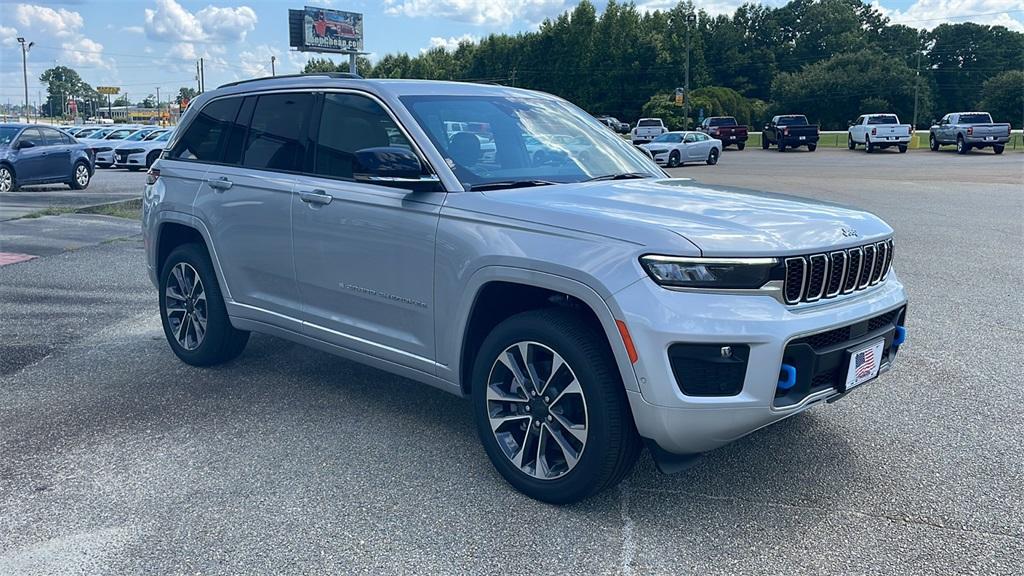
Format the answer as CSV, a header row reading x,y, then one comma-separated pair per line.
x,y
510,184
620,176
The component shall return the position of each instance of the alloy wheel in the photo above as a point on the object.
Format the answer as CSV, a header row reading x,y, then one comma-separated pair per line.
x,y
82,175
185,302
537,410
6,180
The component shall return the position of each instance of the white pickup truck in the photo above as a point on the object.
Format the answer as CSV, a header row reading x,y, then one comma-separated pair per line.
x,y
647,129
879,131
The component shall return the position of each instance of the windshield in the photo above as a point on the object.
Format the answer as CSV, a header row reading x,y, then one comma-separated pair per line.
x,y
140,135
154,135
975,119
528,139
161,136
7,133
669,137
887,119
722,122
792,121
101,133
119,134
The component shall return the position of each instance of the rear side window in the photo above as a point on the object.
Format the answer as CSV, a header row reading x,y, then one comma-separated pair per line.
x,y
278,134
51,137
350,123
202,141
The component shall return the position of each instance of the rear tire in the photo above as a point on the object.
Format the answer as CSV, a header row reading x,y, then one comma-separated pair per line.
x,y
998,149
812,147
868,146
961,146
903,148
80,176
712,157
186,305
782,147
741,145
567,469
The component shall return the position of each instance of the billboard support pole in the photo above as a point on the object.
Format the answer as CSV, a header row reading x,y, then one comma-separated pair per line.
x,y
352,62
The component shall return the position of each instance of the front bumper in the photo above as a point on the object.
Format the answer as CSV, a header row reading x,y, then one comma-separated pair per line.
x,y
105,158
658,318
131,160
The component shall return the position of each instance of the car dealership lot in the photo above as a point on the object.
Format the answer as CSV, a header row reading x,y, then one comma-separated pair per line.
x,y
117,458
108,185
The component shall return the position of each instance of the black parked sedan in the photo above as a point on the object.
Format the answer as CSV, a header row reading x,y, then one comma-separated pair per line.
x,y
35,154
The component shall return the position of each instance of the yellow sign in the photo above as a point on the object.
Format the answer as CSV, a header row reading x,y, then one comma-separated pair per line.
x,y
108,89
679,99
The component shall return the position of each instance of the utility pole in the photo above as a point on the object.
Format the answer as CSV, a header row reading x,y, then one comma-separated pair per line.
x,y
690,20
24,67
273,69
202,76
917,87
199,86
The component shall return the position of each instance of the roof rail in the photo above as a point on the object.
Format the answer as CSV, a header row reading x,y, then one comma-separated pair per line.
x,y
343,75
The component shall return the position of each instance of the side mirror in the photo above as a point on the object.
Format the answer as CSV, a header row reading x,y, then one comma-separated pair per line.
x,y
850,122
767,126
386,163
22,144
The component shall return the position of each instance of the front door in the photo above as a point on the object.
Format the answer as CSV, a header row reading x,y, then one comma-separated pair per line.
x,y
30,165
364,253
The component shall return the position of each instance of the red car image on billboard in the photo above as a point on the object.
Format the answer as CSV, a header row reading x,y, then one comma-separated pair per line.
x,y
332,30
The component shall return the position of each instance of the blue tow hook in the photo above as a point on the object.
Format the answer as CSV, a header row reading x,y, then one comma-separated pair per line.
x,y
787,377
900,337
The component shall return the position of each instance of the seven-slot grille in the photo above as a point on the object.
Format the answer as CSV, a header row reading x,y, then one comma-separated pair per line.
x,y
829,274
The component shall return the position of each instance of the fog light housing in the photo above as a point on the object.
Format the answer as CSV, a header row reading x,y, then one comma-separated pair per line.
x,y
709,369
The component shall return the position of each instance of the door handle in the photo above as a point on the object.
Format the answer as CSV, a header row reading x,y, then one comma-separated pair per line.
x,y
318,197
221,183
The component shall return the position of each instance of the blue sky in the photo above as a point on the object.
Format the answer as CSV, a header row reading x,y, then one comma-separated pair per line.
x,y
140,45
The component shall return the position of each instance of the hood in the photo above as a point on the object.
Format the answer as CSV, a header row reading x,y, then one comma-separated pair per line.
x,y
720,221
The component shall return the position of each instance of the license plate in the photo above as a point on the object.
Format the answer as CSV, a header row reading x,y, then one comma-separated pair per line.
x,y
990,137
803,137
864,364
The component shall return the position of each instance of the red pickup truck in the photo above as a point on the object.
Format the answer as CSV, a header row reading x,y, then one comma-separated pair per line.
x,y
726,129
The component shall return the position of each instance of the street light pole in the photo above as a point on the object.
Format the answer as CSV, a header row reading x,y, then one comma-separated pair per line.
x,y
273,69
24,67
690,19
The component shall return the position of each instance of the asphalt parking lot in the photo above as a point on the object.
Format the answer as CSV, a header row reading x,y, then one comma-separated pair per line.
x,y
108,185
116,458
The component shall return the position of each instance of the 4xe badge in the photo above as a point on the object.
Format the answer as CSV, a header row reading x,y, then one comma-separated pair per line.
x,y
849,232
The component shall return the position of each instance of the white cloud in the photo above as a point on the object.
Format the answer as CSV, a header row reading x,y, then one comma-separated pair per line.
x,y
172,23
84,51
256,62
8,36
61,23
133,29
450,43
183,51
931,13
479,12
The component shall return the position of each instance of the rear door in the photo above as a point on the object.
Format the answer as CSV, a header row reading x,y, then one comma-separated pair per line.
x,y
364,253
245,200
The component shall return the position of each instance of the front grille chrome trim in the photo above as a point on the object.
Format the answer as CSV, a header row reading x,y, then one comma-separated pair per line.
x,y
842,272
803,279
808,297
857,268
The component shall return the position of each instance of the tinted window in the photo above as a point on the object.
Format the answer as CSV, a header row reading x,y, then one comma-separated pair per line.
x,y
350,123
690,138
649,123
792,121
120,134
203,138
975,119
278,132
887,119
722,122
51,137
32,135
237,131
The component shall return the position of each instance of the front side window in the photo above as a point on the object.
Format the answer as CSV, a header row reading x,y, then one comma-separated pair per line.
x,y
349,123
498,139
32,135
278,134
202,140
691,137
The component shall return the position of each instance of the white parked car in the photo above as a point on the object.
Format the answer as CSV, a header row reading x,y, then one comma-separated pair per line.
x,y
104,141
676,148
647,129
879,131
139,154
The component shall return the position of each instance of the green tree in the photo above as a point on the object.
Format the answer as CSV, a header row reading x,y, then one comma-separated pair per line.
x,y
149,101
63,83
122,100
186,93
1003,97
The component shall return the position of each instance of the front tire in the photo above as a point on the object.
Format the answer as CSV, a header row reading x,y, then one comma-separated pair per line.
x,y
712,157
80,176
764,142
192,310
850,144
550,407
782,147
933,143
673,159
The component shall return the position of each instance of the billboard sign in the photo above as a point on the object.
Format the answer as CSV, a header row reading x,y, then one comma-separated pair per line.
x,y
323,30
108,90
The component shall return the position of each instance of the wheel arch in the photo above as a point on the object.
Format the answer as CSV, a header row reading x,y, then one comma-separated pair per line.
x,y
496,293
175,229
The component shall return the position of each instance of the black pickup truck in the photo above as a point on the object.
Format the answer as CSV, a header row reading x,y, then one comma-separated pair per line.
x,y
790,131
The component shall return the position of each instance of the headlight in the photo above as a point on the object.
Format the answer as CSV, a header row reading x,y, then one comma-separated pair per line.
x,y
712,273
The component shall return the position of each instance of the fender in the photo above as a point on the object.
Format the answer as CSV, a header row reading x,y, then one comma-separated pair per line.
x,y
605,310
175,217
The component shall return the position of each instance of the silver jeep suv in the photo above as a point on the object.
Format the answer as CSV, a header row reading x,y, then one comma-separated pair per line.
x,y
502,245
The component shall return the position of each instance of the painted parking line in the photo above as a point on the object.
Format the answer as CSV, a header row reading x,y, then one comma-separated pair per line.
x,y
13,258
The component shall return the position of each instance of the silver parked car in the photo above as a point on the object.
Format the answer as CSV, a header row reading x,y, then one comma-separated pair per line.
x,y
674,149
587,304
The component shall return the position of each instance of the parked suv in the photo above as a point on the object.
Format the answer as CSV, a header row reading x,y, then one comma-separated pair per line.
x,y
585,303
